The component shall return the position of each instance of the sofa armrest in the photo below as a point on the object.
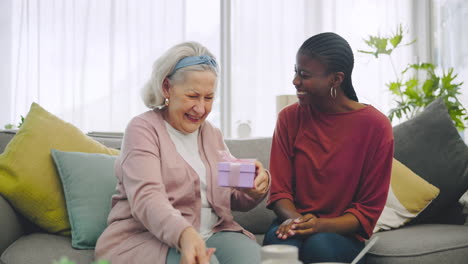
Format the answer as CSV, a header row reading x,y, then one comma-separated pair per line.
x,y
10,225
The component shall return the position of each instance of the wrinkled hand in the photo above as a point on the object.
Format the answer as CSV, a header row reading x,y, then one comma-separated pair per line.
x,y
305,225
260,183
193,249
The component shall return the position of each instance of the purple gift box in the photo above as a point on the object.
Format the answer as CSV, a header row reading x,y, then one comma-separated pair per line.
x,y
240,173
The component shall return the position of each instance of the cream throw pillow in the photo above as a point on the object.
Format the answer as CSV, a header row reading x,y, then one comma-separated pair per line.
x,y
408,196
28,178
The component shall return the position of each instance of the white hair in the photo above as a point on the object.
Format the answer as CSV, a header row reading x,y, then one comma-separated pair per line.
x,y
152,92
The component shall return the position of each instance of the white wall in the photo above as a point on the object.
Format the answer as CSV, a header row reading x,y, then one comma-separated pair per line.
x,y
5,55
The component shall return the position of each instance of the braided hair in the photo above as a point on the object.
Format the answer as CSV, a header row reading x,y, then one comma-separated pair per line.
x,y
335,53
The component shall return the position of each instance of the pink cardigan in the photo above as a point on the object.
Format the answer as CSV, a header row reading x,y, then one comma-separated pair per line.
x,y
159,193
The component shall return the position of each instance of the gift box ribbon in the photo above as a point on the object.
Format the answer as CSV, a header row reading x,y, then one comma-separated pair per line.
x,y
234,167
235,170
234,174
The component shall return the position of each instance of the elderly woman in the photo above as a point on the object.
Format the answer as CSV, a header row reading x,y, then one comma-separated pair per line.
x,y
169,207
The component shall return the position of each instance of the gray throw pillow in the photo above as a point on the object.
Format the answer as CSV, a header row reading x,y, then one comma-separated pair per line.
x,y
430,145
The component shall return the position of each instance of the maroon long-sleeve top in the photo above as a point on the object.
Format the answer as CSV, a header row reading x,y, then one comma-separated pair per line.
x,y
329,164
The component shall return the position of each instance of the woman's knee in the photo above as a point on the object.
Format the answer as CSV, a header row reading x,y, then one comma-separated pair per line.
x,y
235,248
321,243
324,247
173,257
271,237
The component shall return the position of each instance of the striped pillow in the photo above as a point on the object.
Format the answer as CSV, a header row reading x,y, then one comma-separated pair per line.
x,y
408,196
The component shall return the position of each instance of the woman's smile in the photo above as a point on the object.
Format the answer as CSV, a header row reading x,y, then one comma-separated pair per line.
x,y
193,119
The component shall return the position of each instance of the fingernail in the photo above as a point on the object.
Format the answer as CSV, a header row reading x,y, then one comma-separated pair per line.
x,y
293,226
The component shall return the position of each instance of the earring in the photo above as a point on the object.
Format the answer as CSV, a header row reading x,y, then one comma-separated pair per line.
x,y
164,105
333,92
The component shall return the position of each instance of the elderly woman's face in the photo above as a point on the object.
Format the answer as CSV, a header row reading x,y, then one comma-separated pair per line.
x,y
190,101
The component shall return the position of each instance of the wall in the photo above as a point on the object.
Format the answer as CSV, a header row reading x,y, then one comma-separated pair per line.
x,y
5,55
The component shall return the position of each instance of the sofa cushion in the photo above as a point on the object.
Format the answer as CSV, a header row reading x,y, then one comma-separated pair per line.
x,y
88,184
430,145
251,148
10,225
41,248
256,220
5,137
425,243
109,139
28,179
408,196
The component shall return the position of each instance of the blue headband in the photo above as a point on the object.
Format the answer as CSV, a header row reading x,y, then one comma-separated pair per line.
x,y
194,60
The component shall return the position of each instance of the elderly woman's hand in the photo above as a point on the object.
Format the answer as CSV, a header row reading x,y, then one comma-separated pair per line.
x,y
193,249
261,182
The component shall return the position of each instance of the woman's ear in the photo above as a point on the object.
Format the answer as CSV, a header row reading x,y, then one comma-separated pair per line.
x,y
165,87
338,79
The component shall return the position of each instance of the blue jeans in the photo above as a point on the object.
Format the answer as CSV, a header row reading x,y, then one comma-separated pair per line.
x,y
231,248
320,247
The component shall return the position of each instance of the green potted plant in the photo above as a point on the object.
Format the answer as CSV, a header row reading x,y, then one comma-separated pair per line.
x,y
418,84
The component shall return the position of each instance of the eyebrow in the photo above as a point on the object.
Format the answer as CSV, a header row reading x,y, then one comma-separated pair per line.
x,y
193,91
300,70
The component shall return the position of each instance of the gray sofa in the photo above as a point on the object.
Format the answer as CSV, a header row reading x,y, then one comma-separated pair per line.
x,y
437,240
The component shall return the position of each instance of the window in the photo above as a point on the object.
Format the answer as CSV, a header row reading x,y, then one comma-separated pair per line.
x,y
86,61
450,40
265,38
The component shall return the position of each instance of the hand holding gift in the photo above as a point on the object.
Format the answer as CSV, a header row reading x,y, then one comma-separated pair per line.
x,y
248,175
261,182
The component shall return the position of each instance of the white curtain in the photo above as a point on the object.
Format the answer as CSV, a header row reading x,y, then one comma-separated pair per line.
x,y
266,35
86,61
451,42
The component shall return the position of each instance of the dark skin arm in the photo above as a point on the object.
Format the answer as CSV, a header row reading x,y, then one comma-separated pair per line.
x,y
296,224
285,209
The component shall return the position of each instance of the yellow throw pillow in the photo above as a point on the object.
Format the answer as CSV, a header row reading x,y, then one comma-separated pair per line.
x,y
28,178
408,196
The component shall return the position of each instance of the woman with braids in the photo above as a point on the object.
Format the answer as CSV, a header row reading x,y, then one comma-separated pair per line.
x,y
331,159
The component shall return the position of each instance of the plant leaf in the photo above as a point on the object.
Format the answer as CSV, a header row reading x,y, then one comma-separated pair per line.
x,y
411,89
397,36
395,88
429,86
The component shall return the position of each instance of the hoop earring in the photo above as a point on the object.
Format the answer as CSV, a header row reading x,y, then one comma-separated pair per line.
x,y
333,92
166,102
